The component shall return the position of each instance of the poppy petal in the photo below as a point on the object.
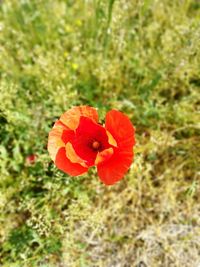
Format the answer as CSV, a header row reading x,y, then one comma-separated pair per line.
x,y
121,128
71,117
103,155
72,156
55,141
58,136
111,140
64,164
116,167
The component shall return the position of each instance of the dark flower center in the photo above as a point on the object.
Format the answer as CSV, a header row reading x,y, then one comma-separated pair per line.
x,y
96,145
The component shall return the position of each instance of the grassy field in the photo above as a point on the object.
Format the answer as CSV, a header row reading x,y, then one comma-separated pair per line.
x,y
139,56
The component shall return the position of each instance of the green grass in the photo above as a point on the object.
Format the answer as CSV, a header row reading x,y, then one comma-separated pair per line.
x,y
141,57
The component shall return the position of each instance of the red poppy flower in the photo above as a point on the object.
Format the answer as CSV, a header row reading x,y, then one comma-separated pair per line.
x,y
77,142
31,159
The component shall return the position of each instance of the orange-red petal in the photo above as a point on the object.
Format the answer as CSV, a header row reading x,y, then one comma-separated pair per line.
x,y
121,128
55,141
114,169
72,156
103,155
71,117
64,164
111,140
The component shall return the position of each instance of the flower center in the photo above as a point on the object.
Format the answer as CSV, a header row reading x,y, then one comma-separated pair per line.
x,y
95,145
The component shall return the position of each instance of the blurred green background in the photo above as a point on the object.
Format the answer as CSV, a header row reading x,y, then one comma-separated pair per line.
x,y
139,56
